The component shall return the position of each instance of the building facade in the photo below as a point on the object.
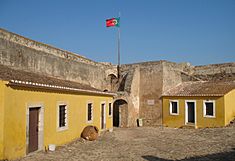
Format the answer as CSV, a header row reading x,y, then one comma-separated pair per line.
x,y
37,114
199,105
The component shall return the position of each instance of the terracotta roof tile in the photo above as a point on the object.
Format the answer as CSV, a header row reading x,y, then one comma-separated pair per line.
x,y
201,88
9,74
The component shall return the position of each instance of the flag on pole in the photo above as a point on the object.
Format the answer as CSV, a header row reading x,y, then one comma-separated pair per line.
x,y
113,22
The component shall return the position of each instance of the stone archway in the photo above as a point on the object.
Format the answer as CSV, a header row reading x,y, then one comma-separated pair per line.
x,y
112,81
120,113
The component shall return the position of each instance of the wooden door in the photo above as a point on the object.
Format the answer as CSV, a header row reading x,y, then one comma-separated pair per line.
x,y
33,129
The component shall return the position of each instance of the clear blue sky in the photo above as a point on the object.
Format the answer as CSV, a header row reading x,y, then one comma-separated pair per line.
x,y
195,31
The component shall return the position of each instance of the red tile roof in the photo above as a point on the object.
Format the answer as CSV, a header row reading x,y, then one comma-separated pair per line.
x,y
29,79
201,88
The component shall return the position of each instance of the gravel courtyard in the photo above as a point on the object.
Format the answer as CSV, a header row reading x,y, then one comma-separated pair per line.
x,y
148,144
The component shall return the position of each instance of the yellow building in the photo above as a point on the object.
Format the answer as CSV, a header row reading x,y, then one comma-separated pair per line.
x,y
36,111
199,104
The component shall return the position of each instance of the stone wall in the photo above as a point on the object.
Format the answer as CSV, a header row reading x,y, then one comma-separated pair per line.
x,y
151,76
215,72
172,75
23,41
134,96
143,84
25,54
128,89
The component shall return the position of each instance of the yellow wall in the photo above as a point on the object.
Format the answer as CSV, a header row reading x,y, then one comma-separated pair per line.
x,y
1,119
229,106
201,121
218,121
17,101
172,120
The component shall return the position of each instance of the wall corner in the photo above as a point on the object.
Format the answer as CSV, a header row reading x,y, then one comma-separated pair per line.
x,y
2,86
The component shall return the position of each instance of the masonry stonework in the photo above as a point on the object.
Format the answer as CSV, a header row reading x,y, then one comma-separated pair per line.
x,y
140,85
21,53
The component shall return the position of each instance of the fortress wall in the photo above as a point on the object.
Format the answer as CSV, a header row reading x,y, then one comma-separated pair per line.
x,y
28,55
151,76
215,72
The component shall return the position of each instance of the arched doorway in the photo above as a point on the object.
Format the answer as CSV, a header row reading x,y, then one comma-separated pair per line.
x,y
120,113
112,79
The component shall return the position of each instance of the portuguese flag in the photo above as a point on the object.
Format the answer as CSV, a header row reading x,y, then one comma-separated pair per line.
x,y
113,22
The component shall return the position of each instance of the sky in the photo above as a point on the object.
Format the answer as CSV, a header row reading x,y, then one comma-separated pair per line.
x,y
196,31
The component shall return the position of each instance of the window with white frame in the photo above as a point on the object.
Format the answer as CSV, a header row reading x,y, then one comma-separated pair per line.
x,y
62,116
110,109
89,112
209,108
174,107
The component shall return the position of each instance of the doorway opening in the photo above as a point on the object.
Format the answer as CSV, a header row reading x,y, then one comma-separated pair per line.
x,y
34,128
103,119
120,113
113,80
190,112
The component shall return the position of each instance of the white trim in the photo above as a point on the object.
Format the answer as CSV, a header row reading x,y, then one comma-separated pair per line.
x,y
204,108
34,84
61,103
110,115
92,112
170,106
186,111
101,103
40,125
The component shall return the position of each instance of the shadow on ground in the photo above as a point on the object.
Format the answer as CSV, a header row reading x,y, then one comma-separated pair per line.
x,y
228,156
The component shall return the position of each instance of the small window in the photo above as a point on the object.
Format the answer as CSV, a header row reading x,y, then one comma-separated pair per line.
x,y
89,112
110,109
174,108
209,108
62,116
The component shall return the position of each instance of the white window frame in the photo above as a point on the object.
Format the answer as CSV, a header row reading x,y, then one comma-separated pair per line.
x,y
204,108
170,106
58,116
92,112
110,115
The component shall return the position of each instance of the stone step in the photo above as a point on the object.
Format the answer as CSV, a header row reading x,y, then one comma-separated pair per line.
x,y
188,126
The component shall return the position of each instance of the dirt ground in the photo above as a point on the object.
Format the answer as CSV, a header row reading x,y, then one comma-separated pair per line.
x,y
148,144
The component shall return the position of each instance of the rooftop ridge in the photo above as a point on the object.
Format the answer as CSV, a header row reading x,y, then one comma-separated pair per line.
x,y
201,88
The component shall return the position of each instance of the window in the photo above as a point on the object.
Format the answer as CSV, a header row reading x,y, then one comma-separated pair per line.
x,y
174,108
89,112
110,109
209,108
62,117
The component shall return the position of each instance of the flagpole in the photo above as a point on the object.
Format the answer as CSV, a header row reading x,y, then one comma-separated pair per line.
x,y
119,36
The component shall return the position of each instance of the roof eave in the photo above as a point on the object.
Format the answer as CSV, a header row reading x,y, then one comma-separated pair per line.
x,y
195,95
55,87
